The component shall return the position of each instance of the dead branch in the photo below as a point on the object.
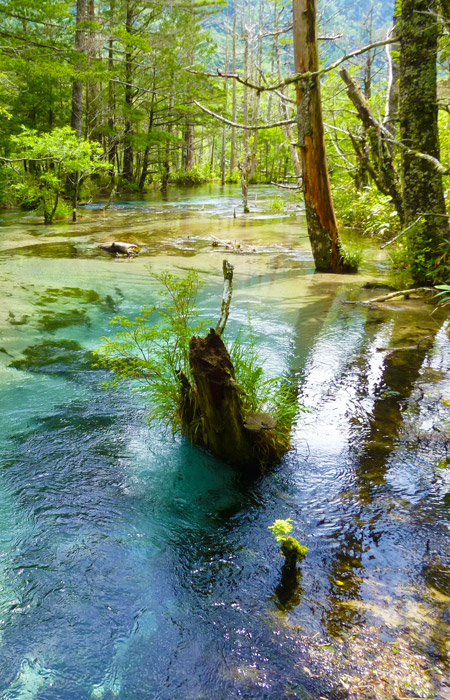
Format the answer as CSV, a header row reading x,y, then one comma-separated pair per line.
x,y
226,296
401,293
286,187
247,127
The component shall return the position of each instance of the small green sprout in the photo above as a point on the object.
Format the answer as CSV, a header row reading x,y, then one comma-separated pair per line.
x,y
291,548
281,528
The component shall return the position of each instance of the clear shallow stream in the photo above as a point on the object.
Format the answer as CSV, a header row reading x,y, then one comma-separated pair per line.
x,y
133,565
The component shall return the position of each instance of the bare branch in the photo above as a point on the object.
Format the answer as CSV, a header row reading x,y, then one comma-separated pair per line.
x,y
249,127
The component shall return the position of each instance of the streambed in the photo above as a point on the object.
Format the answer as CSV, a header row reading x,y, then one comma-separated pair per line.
x,y
134,565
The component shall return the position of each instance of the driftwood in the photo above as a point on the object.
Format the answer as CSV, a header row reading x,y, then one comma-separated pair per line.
x,y
120,248
401,293
226,296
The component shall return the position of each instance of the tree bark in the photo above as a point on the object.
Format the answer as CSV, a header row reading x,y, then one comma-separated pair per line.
x,y
76,119
390,120
223,424
233,70
320,216
127,171
423,193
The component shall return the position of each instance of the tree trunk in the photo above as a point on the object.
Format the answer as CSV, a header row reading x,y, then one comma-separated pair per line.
x,y
76,119
423,193
390,121
111,95
378,157
127,171
233,70
246,442
285,115
320,216
224,128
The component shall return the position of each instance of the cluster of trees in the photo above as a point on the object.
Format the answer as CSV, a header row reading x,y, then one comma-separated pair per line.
x,y
136,81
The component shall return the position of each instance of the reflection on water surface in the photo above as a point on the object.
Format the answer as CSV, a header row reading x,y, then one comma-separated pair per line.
x,y
135,566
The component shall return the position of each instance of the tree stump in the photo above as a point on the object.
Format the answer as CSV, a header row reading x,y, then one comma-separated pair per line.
x,y
246,441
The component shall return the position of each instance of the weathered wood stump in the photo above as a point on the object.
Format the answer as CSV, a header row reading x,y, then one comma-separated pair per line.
x,y
120,248
246,441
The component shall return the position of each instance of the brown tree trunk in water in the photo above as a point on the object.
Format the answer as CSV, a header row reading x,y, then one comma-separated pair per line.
x,y
320,216
223,424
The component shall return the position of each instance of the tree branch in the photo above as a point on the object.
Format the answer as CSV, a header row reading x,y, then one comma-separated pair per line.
x,y
248,127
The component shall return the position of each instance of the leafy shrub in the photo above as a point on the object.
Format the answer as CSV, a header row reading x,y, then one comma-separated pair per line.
x,y
367,210
153,349
186,178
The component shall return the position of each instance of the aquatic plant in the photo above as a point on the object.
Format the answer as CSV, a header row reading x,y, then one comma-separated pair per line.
x,y
155,350
277,203
444,294
291,548
351,256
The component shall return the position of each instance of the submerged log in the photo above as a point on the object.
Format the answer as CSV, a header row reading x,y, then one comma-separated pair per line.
x,y
248,442
120,248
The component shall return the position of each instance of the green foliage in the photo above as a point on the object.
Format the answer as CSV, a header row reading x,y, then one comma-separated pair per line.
x,y
277,203
365,209
153,350
275,395
195,176
351,256
281,528
53,157
400,272
443,294
291,548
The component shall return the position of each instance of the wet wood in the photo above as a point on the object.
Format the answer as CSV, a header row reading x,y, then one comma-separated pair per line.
x,y
218,400
226,296
120,248
320,216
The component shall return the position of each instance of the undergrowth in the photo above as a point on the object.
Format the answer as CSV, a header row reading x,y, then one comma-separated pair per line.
x,y
152,351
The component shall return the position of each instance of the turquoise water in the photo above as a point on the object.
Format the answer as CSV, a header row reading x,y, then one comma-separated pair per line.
x,y
134,565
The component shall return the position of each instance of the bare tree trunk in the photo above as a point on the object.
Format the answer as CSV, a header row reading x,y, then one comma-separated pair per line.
x,y
320,216
224,129
244,167
390,120
76,119
378,160
111,95
259,57
233,70
91,87
286,115
127,171
144,170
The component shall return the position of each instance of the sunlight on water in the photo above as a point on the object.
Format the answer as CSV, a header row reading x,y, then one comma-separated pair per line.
x,y
134,565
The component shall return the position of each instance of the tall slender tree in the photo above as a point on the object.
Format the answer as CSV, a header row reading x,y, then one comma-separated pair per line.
x,y
320,216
